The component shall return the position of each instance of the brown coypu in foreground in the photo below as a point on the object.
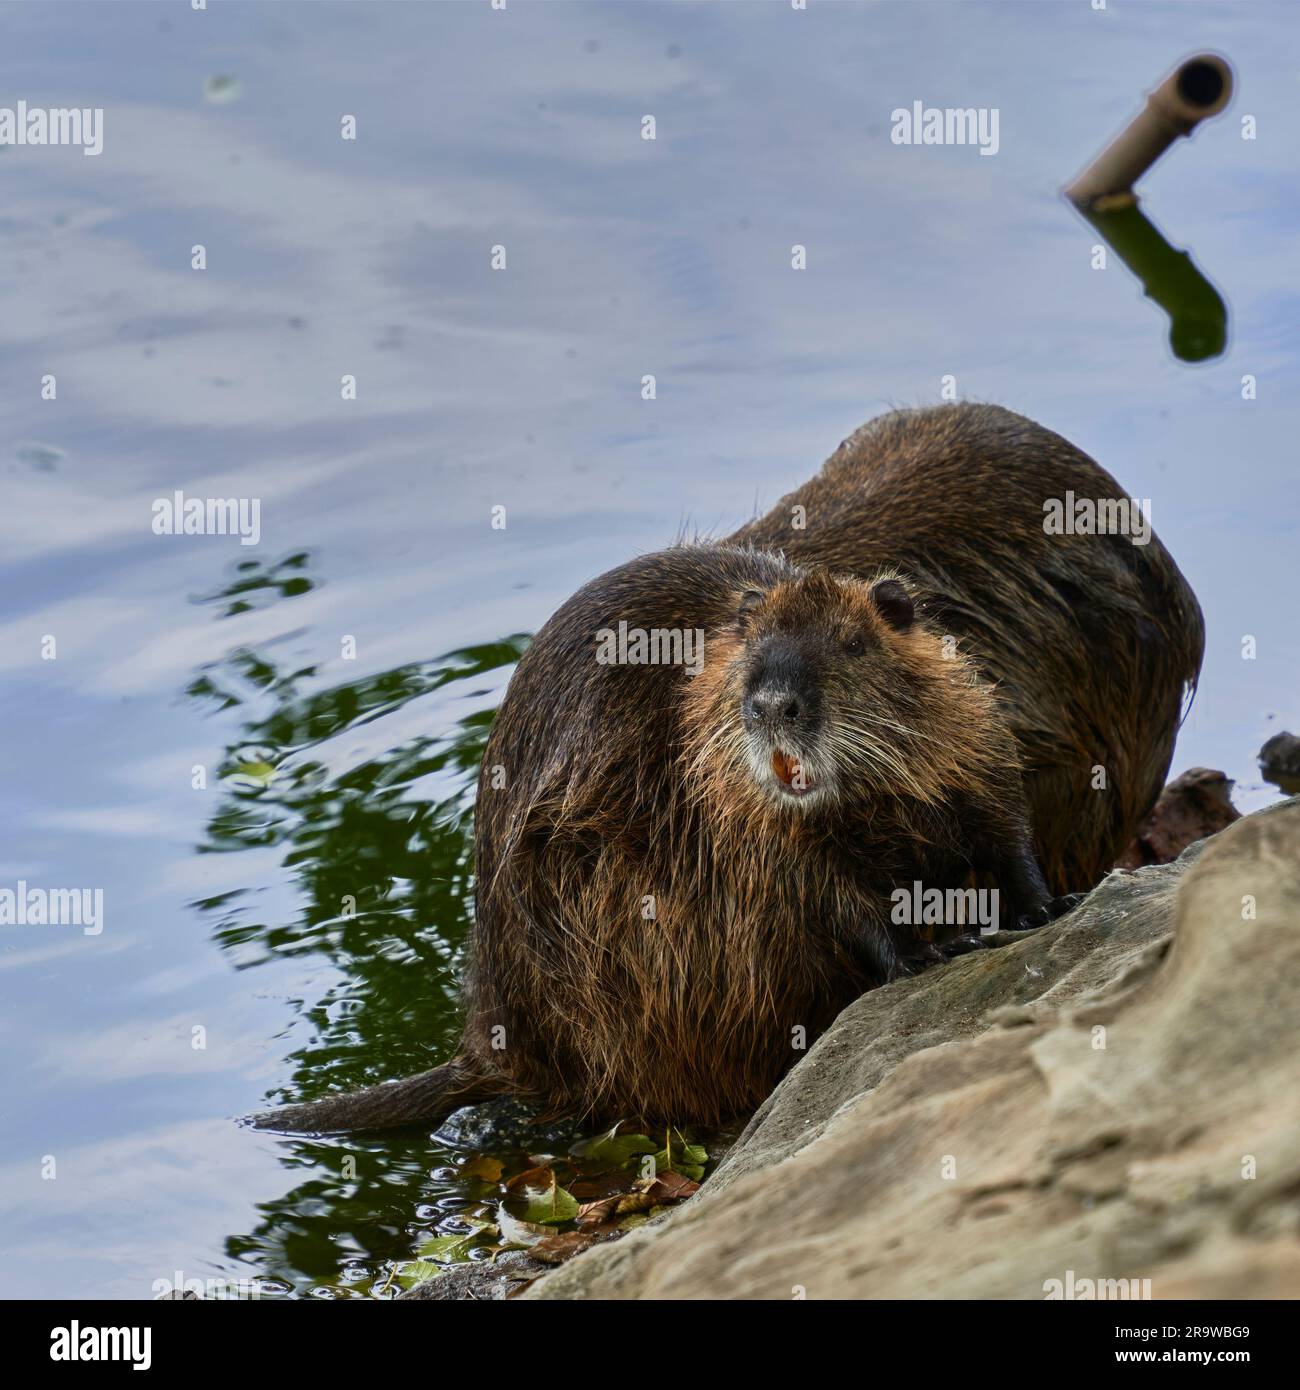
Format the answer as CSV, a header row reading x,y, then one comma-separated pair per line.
x,y
680,876
1094,643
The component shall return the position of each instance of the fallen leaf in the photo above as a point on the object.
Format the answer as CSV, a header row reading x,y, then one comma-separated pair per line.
x,y
598,1213
543,1176
535,1197
618,1150
456,1245
434,1255
668,1187
564,1245
409,1275
680,1157
481,1166
604,1185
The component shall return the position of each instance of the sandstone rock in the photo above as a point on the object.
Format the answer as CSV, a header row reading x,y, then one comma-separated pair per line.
x,y
1116,1096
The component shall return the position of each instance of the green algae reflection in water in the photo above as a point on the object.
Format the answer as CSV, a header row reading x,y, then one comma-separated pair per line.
x,y
378,851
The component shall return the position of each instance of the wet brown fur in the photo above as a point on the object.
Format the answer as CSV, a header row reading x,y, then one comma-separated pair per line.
x,y
1094,644
652,928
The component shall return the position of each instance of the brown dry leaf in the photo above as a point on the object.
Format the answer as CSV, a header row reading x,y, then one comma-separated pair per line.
x,y
481,1166
635,1201
598,1213
606,1185
531,1179
554,1250
668,1187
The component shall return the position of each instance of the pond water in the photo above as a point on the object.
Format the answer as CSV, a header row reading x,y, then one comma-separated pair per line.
x,y
264,755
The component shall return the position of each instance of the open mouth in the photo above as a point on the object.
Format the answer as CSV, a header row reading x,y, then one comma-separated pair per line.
x,y
790,773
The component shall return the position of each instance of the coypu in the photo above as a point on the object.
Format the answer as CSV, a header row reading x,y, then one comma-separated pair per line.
x,y
681,873
1094,643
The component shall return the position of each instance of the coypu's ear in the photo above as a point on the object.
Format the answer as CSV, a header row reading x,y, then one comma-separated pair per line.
x,y
749,600
894,604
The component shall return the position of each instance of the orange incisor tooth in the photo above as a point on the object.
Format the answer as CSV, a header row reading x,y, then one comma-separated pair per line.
x,y
787,768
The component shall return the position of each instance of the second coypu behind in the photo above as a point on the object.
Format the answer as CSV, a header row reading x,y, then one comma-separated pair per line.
x,y
681,878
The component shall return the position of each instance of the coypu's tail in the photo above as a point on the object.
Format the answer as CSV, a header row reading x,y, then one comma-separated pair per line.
x,y
424,1099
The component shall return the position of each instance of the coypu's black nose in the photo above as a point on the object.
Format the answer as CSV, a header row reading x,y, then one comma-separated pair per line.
x,y
780,692
777,706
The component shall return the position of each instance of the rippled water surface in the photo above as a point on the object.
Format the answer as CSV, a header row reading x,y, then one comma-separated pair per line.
x,y
264,755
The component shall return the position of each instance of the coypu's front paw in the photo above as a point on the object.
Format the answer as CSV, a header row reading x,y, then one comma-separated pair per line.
x,y
963,945
926,953
1049,911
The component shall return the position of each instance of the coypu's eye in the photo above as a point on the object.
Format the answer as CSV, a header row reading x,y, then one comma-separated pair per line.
x,y
894,603
855,646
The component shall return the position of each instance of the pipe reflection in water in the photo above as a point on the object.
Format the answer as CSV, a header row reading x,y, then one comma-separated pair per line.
x,y
1198,317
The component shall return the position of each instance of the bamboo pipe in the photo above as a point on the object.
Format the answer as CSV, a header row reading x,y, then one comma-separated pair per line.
x,y
1197,88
